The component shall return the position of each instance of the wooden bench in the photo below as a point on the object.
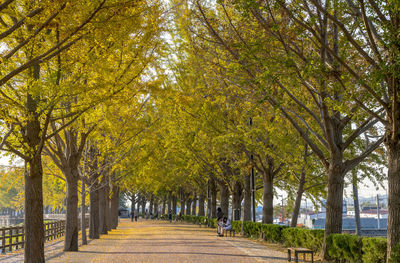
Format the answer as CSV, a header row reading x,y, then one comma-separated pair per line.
x,y
231,231
296,251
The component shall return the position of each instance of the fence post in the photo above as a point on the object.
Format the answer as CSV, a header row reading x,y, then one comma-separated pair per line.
x,y
3,241
17,238
23,236
10,232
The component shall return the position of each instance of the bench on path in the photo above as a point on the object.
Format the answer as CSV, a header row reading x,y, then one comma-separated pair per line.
x,y
297,251
231,231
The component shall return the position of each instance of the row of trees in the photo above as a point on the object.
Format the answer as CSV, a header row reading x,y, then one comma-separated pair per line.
x,y
175,103
74,78
319,79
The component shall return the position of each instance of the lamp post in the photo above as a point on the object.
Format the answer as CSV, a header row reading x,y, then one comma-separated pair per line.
x,y
253,196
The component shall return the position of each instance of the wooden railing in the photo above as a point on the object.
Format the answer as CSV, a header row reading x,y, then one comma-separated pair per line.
x,y
13,238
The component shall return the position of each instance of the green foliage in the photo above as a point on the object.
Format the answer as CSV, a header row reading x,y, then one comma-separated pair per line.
x,y
374,250
251,229
344,247
237,226
395,254
273,233
301,237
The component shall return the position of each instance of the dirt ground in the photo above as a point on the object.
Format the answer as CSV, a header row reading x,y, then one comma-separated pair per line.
x,y
160,241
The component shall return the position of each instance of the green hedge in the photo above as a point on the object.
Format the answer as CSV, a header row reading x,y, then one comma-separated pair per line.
x,y
351,248
273,233
344,247
301,237
341,247
374,249
395,255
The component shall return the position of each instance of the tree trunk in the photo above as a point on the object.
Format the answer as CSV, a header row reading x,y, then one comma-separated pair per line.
x,y
164,206
103,208
114,207
334,202
34,232
194,204
155,206
83,213
224,197
94,210
174,205
247,199
237,199
201,205
170,208
183,203
143,206
393,225
356,203
213,192
188,208
71,226
268,198
151,205
299,196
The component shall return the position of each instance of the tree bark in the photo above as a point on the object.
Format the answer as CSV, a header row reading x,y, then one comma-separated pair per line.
x,y
194,204
114,207
170,208
201,204
164,206
268,198
103,208
299,196
83,213
393,148
143,206
71,225
183,203
155,211
213,193
247,199
151,205
334,202
174,205
237,199
188,207
94,210
34,232
224,197
356,202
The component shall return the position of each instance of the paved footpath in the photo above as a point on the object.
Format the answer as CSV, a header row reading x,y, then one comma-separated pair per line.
x,y
160,241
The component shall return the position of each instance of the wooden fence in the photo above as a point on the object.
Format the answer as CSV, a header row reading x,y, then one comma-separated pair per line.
x,y
13,238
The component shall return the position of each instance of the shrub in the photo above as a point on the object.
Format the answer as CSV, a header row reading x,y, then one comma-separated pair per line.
x,y
395,254
301,237
273,233
251,229
237,226
212,222
344,248
374,249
